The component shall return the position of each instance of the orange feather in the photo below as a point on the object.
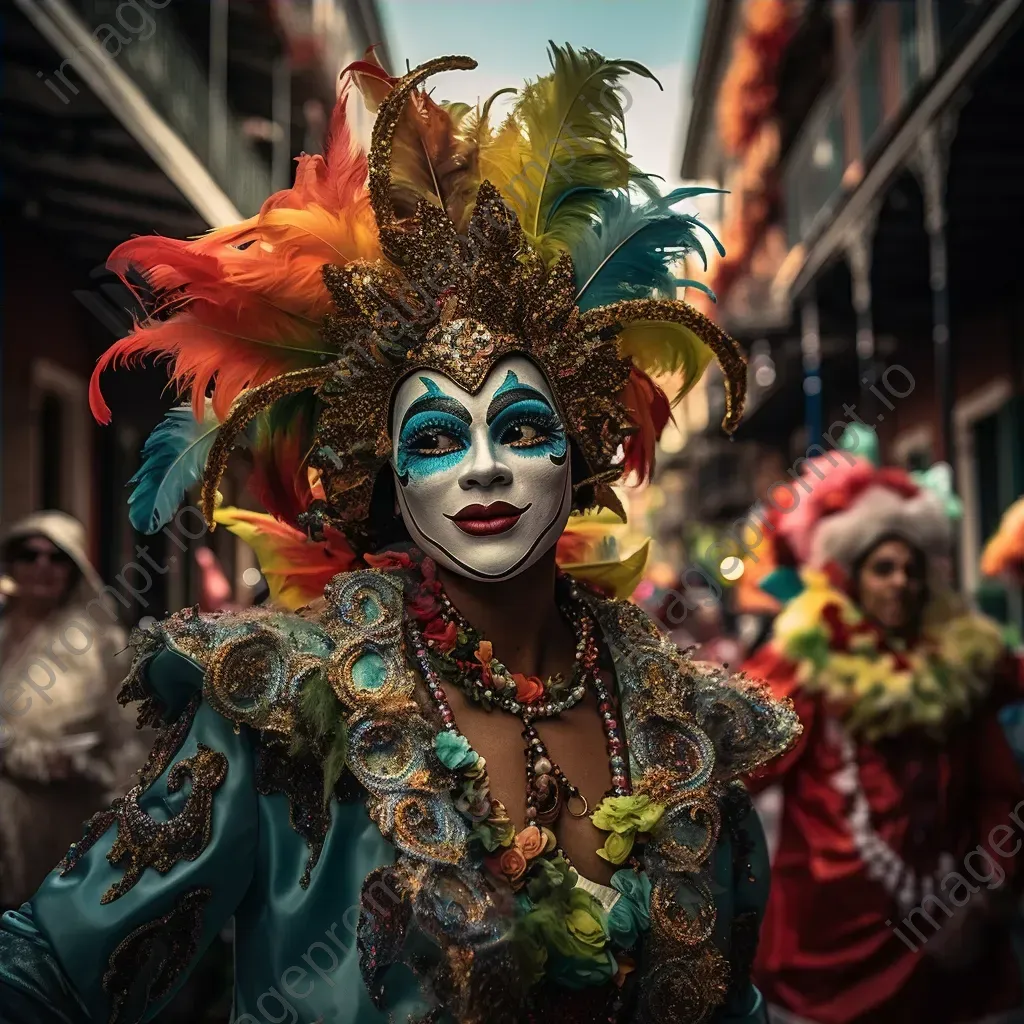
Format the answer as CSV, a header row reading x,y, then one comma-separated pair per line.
x,y
296,568
244,303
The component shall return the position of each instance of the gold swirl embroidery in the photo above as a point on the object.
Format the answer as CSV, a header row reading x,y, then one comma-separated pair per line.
x,y
685,988
143,842
247,681
390,742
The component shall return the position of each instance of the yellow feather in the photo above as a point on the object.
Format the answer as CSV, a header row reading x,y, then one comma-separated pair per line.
x,y
502,157
658,347
619,577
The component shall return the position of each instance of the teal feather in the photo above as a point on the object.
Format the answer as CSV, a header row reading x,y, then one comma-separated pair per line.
x,y
783,584
629,249
173,459
861,440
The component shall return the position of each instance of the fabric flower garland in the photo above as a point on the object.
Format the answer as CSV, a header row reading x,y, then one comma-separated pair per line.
x,y
626,818
878,686
563,932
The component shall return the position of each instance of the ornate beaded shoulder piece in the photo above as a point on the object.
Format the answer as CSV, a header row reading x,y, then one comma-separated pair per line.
x,y
454,243
691,731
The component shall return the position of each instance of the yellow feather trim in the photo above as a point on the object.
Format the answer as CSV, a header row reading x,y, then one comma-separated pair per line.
x,y
619,577
874,687
658,347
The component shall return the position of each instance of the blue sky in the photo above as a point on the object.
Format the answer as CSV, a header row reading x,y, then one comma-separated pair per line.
x,y
509,39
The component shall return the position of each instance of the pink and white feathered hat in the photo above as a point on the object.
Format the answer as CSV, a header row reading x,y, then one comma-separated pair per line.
x,y
844,505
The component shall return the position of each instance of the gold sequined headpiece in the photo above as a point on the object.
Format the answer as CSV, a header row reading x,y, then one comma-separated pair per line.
x,y
468,245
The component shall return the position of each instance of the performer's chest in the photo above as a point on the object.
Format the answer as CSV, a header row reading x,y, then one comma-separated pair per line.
x,y
575,744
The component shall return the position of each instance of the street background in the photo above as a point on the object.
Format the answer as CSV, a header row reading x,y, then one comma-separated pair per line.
x,y
875,187
873,168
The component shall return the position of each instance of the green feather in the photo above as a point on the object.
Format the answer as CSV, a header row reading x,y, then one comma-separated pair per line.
x,y
334,765
574,119
322,728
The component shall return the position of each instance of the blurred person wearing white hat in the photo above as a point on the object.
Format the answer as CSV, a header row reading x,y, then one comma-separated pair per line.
x,y
60,731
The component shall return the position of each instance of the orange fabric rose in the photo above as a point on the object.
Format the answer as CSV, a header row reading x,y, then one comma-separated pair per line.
x,y
529,689
388,560
531,841
513,864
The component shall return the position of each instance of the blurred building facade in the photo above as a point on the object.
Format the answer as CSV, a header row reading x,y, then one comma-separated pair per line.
x,y
876,181
123,118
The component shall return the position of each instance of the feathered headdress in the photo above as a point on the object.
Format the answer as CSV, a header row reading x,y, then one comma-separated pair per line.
x,y
453,244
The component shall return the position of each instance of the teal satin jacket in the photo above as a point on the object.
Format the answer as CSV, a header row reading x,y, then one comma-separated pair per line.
x,y
369,908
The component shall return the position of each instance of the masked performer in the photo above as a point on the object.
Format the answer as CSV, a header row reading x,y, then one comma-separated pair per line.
x,y
457,354
895,868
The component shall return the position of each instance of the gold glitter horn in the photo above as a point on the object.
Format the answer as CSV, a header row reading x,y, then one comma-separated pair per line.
x,y
246,408
388,114
727,351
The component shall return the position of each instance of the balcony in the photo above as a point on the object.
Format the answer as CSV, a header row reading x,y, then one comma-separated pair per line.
x,y
160,62
896,54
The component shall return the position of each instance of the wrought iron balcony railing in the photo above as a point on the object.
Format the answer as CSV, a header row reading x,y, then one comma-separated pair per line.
x,y
160,62
848,124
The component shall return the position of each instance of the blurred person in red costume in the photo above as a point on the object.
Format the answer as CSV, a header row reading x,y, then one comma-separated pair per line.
x,y
894,873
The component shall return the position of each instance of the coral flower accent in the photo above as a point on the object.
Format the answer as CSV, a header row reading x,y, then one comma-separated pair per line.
x,y
529,689
513,864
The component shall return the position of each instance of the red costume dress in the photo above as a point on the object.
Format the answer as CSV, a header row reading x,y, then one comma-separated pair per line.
x,y
902,800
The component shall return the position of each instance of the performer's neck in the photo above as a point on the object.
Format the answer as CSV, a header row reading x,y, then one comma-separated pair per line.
x,y
518,616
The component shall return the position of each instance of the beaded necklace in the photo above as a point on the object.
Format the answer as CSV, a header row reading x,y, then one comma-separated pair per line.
x,y
548,789
492,685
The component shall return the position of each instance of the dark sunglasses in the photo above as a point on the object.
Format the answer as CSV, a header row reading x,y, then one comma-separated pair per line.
x,y
886,567
30,556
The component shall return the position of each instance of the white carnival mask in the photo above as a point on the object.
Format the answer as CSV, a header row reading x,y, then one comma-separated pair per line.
x,y
484,481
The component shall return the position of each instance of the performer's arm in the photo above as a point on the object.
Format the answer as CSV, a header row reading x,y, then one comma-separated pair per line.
x,y
114,930
743,883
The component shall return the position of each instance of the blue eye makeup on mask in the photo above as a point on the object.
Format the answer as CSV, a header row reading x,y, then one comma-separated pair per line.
x,y
430,443
434,435
521,418
530,427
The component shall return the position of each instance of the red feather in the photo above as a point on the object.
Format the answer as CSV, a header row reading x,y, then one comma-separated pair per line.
x,y
649,409
572,548
280,479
